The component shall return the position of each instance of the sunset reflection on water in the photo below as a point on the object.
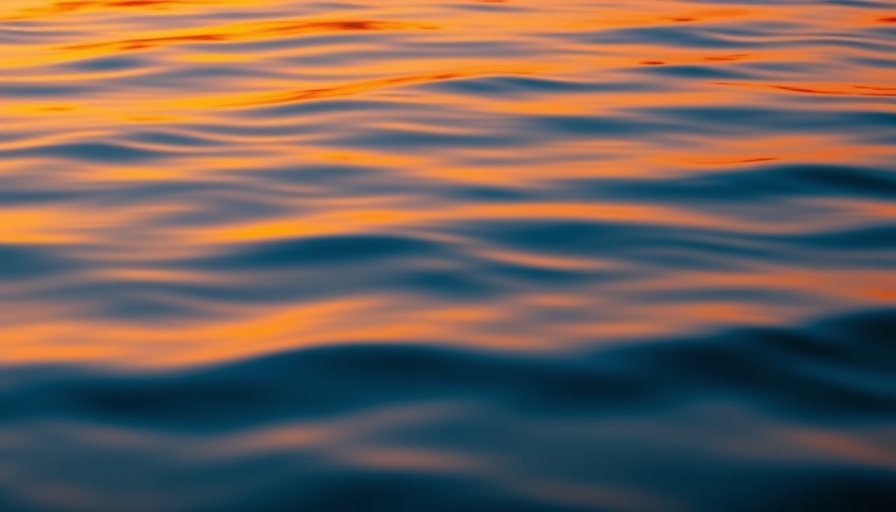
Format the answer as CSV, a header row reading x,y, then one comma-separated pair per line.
x,y
213,186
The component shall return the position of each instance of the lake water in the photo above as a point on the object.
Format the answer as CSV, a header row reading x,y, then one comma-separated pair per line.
x,y
447,256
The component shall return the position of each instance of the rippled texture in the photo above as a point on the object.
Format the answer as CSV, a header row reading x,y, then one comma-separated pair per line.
x,y
283,255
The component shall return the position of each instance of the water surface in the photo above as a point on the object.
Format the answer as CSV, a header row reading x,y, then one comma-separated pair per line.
x,y
522,256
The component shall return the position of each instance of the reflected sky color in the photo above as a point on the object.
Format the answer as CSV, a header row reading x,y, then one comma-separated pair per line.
x,y
493,255
154,137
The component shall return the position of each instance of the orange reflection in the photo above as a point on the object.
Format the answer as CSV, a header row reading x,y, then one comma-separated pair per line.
x,y
58,8
138,141
831,89
250,32
348,89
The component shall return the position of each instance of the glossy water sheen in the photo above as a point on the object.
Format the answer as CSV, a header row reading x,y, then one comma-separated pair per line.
x,y
485,256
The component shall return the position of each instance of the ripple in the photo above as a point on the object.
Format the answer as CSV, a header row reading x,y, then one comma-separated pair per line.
x,y
473,255
372,417
316,251
19,261
255,30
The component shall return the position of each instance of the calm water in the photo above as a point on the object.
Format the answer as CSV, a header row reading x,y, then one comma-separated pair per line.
x,y
484,256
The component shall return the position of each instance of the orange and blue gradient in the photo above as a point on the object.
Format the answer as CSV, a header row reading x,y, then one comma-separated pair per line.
x,y
518,255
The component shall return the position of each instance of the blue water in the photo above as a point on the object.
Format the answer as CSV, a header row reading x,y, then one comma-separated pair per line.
x,y
459,256
746,420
